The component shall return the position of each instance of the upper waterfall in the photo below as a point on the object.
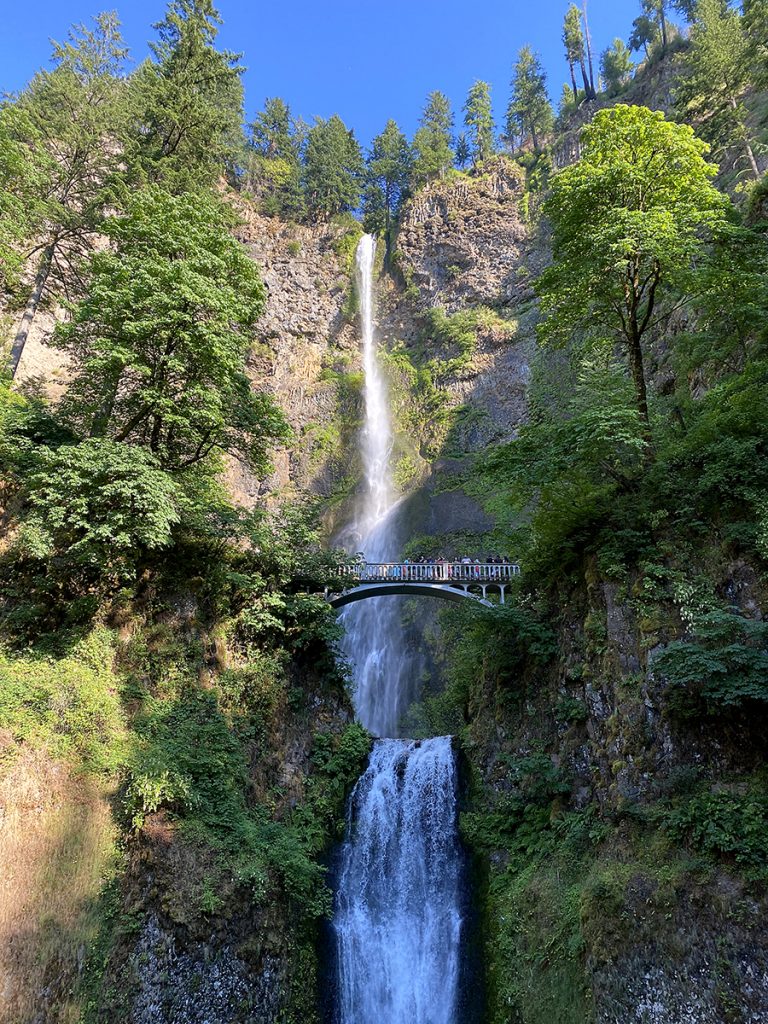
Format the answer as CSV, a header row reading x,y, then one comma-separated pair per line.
x,y
377,431
385,674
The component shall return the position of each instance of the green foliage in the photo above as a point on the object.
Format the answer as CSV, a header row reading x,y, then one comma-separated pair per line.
x,y
616,67
628,220
98,502
333,167
388,173
190,762
159,343
529,114
60,142
66,701
575,50
22,180
433,141
645,33
724,664
715,76
478,120
187,102
274,160
756,30
725,823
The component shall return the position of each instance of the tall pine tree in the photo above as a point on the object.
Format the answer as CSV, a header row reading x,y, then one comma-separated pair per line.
x,y
478,119
529,115
387,176
575,51
715,76
333,168
188,101
433,141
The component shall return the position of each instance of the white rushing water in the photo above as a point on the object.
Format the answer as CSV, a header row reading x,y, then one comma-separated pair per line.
x,y
386,676
397,919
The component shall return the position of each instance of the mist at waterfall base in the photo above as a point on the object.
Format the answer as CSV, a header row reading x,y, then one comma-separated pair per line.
x,y
397,946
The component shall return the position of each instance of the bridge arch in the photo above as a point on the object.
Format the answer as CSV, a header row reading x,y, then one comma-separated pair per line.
x,y
367,590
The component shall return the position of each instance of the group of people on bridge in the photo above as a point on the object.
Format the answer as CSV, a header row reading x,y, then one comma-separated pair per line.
x,y
440,569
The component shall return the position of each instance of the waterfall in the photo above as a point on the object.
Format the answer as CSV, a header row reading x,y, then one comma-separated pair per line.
x,y
398,920
386,676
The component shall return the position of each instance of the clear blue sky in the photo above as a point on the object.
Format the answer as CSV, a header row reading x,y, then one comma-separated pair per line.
x,y
365,60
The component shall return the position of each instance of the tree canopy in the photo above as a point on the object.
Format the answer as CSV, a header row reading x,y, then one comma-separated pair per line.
x,y
333,168
529,114
188,101
433,141
158,344
478,119
629,218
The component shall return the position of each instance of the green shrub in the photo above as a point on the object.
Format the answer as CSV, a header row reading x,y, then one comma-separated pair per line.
x,y
99,502
723,664
726,824
66,702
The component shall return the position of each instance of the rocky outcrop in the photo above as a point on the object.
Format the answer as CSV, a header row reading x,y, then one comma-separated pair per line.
x,y
306,351
461,241
465,250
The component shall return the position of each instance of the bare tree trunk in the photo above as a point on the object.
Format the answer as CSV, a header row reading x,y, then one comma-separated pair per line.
x,y
29,313
588,41
637,370
573,83
663,24
588,92
745,139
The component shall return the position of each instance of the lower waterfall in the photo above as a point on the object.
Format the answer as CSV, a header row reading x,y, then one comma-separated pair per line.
x,y
399,922
398,918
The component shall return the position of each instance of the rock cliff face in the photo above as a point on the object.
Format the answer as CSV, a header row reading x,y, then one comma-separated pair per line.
x,y
637,930
459,315
462,242
307,352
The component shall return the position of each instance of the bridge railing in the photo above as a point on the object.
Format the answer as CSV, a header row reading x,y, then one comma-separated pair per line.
x,y
432,572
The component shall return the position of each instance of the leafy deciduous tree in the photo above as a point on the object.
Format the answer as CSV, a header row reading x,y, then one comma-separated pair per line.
x,y
159,342
628,219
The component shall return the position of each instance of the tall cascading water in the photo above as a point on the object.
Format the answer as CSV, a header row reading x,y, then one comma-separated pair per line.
x,y
386,675
399,920
398,917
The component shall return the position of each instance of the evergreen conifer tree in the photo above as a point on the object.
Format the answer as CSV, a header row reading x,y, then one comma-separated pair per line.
x,y
188,101
478,119
433,142
333,168
529,115
716,73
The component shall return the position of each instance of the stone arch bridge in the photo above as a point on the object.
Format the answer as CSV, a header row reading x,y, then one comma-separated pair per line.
x,y
451,581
